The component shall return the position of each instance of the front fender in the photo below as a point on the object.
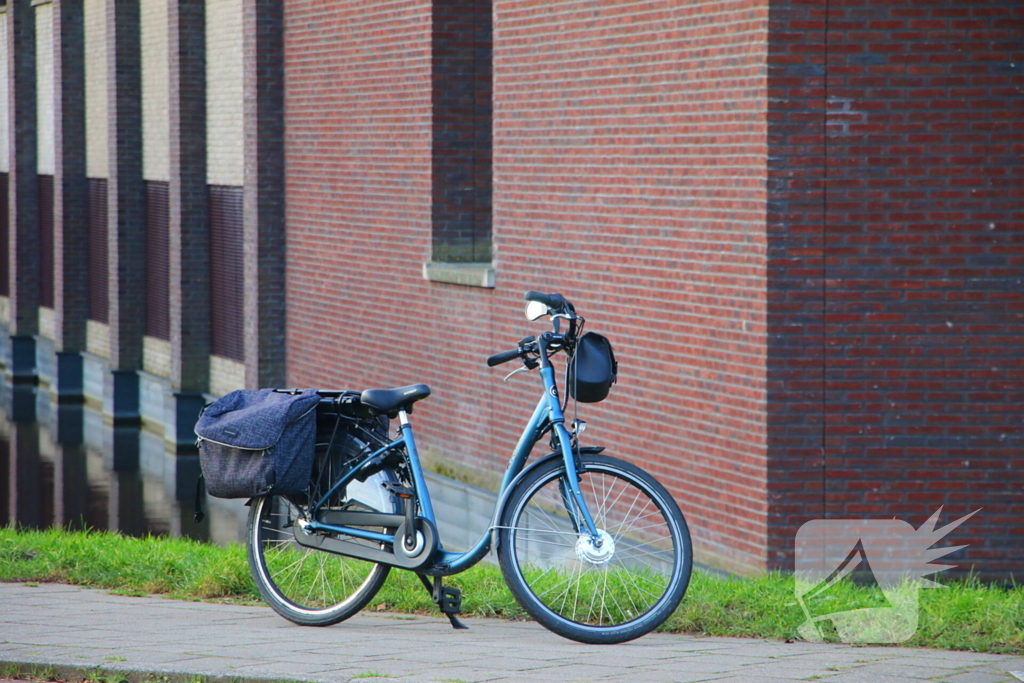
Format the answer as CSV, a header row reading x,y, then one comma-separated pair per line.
x,y
499,509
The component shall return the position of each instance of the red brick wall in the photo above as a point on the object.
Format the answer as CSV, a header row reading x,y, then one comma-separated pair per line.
x,y
358,197
357,145
923,268
629,152
629,174
814,288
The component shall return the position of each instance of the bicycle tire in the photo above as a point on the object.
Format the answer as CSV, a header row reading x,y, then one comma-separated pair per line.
x,y
612,593
306,586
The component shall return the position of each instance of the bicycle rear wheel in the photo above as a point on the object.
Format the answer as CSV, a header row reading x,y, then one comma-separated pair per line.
x,y
614,589
313,587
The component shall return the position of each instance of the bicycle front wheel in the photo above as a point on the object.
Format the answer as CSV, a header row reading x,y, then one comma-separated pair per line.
x,y
306,586
610,589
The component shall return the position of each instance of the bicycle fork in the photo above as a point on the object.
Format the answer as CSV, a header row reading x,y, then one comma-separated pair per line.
x,y
569,487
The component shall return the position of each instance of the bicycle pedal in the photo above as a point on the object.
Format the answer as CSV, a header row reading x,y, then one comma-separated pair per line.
x,y
398,490
450,603
450,600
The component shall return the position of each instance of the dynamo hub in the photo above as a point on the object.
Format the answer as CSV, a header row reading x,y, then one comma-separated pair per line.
x,y
595,551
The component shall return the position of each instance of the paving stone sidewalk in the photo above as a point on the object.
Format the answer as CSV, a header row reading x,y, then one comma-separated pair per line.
x,y
84,629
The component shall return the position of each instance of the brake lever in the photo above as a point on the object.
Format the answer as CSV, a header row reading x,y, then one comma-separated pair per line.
x,y
515,372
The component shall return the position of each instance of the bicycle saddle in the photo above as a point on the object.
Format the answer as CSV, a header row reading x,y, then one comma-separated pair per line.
x,y
389,401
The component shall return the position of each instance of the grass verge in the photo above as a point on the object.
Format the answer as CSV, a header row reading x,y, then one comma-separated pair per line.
x,y
963,616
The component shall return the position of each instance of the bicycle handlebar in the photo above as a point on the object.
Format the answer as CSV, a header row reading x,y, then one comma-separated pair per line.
x,y
559,307
503,357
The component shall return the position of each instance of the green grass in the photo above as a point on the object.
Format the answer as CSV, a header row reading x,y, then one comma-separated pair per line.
x,y
138,566
965,616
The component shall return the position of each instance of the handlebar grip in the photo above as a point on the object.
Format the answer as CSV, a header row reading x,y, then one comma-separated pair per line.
x,y
503,357
556,302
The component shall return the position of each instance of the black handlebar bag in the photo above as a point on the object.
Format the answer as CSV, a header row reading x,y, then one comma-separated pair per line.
x,y
252,443
592,369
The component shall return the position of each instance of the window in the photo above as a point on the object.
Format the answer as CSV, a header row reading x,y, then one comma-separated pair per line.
x,y
98,295
462,113
158,313
227,277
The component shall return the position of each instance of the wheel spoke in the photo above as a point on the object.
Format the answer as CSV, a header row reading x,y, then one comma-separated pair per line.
x,y
306,585
573,583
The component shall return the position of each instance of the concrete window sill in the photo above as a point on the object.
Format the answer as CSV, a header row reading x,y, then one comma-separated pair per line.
x,y
468,274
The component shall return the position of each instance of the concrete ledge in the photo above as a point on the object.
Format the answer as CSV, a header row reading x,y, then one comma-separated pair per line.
x,y
469,274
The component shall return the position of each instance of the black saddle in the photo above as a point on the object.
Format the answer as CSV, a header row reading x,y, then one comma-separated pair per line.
x,y
390,401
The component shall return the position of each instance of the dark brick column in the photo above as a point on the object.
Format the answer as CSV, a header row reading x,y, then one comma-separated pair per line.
x,y
23,190
126,236
70,206
264,193
925,271
796,272
189,233
70,498
24,503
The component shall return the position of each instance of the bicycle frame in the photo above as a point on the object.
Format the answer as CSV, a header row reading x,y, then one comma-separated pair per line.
x,y
547,414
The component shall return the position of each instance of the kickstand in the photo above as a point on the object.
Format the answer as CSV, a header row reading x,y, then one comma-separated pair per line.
x,y
448,600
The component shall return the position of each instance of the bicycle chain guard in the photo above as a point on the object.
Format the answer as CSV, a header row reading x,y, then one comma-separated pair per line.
x,y
329,541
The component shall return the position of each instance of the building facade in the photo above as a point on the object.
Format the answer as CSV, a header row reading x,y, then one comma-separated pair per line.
x,y
800,223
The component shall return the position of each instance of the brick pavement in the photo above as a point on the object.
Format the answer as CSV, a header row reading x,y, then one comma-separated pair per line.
x,y
79,630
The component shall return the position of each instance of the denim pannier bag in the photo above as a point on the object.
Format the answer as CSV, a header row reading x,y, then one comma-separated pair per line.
x,y
252,443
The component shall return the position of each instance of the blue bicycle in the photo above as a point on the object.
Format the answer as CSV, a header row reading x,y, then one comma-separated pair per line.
x,y
591,546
